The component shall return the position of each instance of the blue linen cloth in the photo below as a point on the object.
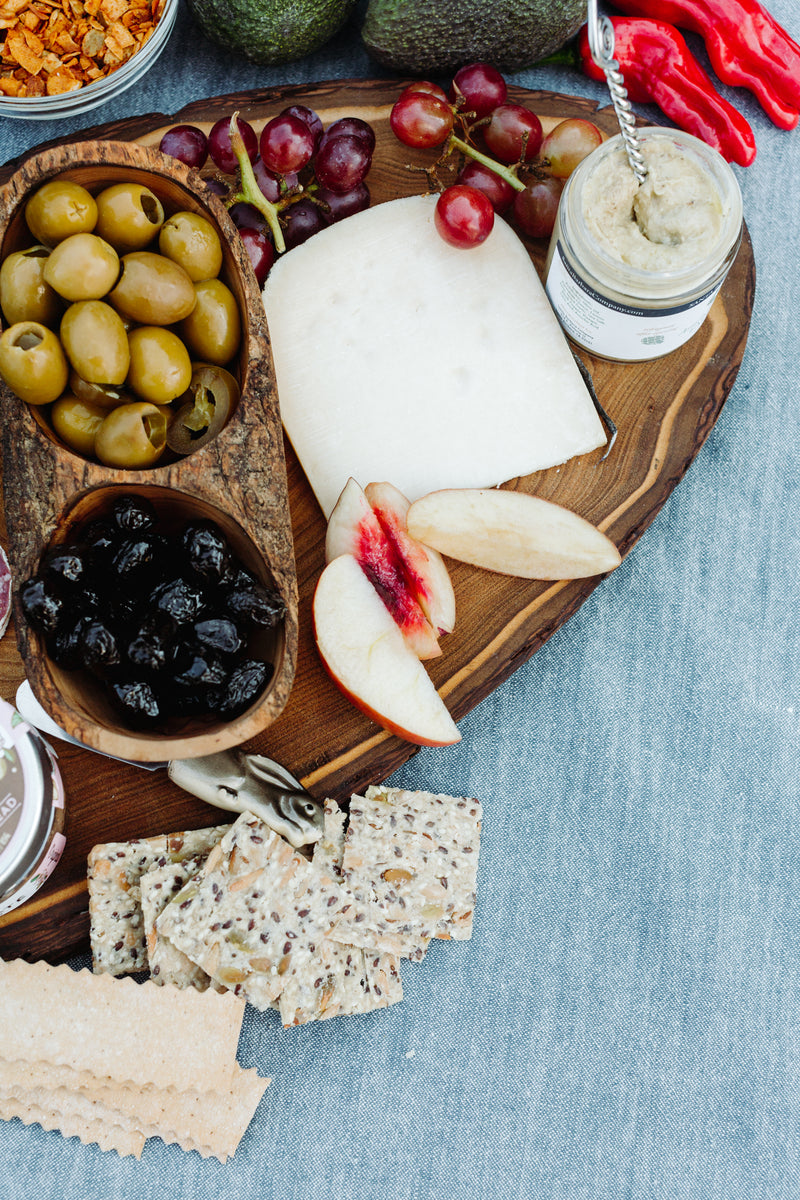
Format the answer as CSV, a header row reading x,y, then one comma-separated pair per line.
x,y
624,1022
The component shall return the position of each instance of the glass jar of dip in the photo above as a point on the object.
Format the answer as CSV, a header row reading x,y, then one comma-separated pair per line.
x,y
633,269
31,810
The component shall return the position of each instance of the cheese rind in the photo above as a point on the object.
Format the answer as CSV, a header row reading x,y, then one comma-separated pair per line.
x,y
400,357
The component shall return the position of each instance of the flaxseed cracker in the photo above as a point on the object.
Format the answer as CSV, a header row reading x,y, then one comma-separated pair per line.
x,y
256,913
114,872
410,862
341,980
168,964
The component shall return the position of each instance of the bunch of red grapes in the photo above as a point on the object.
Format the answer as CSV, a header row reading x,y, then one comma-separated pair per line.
x,y
312,176
512,168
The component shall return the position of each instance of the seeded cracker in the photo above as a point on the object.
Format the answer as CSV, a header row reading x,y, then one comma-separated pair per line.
x,y
410,861
167,963
342,980
114,873
258,911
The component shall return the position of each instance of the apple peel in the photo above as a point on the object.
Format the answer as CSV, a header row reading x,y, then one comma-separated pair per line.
x,y
364,652
511,533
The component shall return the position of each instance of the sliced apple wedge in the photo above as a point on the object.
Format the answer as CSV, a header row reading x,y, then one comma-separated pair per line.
x,y
423,566
367,657
512,533
353,528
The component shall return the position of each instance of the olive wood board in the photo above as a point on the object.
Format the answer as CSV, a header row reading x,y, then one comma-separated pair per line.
x,y
664,411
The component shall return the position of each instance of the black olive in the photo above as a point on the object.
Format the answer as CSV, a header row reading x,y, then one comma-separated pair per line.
x,y
192,666
65,646
138,701
179,599
255,605
41,606
100,538
137,559
206,549
246,683
133,514
218,634
99,647
66,568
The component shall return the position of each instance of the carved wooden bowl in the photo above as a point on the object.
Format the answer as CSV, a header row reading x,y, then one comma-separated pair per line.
x,y
237,480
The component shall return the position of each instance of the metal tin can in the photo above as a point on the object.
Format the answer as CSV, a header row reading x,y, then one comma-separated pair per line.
x,y
626,312
32,812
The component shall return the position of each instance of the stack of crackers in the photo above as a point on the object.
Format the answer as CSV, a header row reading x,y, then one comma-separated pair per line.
x,y
114,1062
237,908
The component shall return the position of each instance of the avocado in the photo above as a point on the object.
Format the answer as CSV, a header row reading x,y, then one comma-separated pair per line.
x,y
271,31
430,37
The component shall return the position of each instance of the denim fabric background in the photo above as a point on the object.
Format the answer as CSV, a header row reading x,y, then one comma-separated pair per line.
x,y
625,1022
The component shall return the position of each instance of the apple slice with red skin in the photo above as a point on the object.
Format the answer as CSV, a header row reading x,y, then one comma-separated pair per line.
x,y
367,657
512,533
353,528
423,566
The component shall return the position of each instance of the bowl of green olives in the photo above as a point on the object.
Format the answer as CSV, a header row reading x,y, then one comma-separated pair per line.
x,y
134,355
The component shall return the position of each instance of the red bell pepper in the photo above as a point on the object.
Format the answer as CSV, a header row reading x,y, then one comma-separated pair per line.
x,y
658,66
746,46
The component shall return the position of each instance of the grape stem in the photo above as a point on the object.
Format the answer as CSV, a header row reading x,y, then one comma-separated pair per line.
x,y
458,143
250,191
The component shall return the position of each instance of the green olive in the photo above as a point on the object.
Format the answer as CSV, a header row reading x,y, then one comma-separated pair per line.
x,y
58,209
24,294
77,423
153,290
160,366
82,267
104,395
129,216
32,362
191,240
211,398
213,330
132,436
95,342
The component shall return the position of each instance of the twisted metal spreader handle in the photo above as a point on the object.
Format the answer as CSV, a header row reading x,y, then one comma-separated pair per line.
x,y
601,45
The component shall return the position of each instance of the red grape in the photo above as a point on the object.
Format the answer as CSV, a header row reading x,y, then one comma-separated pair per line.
x,y
260,251
187,143
505,135
217,186
421,120
425,85
300,221
245,216
568,144
342,163
219,144
337,205
485,180
308,117
535,209
354,127
463,216
482,87
270,183
286,144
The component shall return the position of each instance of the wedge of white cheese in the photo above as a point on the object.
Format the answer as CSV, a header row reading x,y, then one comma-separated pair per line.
x,y
400,358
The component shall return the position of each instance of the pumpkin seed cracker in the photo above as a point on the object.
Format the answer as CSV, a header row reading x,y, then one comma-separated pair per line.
x,y
168,964
341,980
114,872
256,913
410,862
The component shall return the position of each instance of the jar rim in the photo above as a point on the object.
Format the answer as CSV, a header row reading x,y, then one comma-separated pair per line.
x,y
640,282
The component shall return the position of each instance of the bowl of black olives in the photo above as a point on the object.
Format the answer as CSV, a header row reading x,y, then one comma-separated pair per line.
x,y
136,370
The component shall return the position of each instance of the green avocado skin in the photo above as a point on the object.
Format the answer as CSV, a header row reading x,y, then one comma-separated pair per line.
x,y
270,31
436,37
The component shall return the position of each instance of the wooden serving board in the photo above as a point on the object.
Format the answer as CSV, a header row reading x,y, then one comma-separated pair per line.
x,y
664,411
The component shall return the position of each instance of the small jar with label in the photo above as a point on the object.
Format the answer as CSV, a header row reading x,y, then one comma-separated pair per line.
x,y
31,810
633,269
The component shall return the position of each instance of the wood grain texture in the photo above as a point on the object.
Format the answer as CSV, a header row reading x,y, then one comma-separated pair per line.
x,y
664,411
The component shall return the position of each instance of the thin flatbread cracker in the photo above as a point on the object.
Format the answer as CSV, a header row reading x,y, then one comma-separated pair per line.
x,y
91,1133
340,981
130,1032
410,862
168,964
255,915
114,872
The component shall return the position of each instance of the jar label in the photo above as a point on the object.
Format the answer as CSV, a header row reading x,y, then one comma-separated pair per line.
x,y
615,330
43,872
